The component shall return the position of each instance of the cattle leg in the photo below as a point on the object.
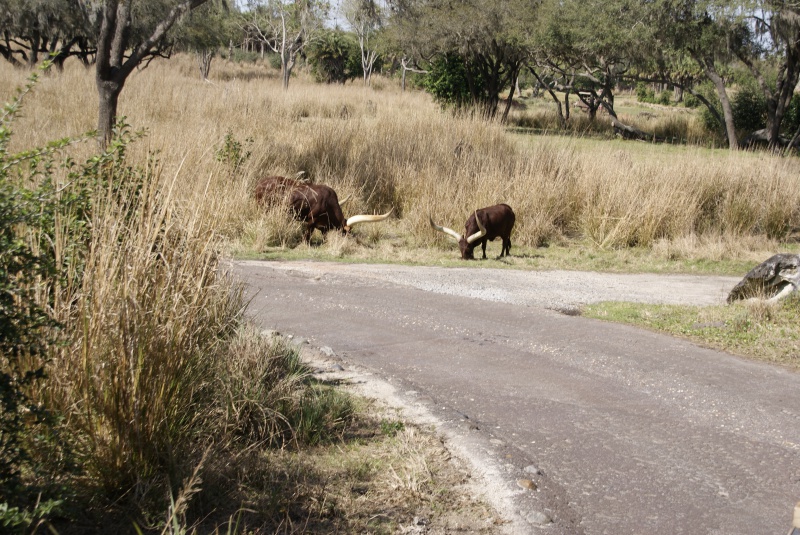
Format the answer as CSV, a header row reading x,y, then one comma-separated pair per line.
x,y
506,247
309,231
483,246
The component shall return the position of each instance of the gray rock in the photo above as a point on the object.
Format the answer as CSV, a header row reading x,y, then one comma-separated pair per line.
x,y
531,469
537,518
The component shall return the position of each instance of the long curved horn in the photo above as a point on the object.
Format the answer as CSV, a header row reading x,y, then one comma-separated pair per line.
x,y
363,218
345,199
450,232
478,235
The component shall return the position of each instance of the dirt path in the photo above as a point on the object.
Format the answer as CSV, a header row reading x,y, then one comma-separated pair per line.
x,y
619,430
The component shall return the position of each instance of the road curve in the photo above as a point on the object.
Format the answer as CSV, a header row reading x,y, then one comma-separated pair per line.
x,y
632,432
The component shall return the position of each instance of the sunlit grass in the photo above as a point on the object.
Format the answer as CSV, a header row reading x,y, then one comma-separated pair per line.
x,y
756,329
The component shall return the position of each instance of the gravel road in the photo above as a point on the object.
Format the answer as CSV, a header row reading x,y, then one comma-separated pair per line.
x,y
575,426
556,290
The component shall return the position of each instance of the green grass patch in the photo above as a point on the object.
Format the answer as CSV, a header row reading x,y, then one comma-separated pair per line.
x,y
755,329
571,257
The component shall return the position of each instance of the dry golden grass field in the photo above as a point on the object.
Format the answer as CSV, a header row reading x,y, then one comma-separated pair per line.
x,y
214,140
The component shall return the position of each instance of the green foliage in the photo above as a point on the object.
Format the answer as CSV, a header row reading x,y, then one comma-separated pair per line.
x,y
391,427
691,101
644,93
33,213
323,411
447,82
791,121
707,119
335,57
749,108
208,27
47,203
233,152
14,519
274,60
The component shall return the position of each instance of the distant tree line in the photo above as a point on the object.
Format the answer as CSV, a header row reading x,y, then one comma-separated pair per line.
x,y
468,53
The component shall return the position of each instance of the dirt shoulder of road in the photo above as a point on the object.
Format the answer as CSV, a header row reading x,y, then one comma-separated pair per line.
x,y
468,493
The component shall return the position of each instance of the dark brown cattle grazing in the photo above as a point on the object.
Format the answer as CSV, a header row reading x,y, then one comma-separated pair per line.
x,y
486,224
272,189
316,205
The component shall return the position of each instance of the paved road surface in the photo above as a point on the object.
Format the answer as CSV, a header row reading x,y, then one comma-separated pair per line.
x,y
633,432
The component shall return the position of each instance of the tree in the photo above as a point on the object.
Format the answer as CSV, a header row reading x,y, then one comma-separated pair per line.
x,y
771,51
53,29
488,37
122,46
334,57
203,31
365,18
706,31
285,26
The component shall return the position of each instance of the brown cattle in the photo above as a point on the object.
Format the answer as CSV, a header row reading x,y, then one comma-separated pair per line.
x,y
316,205
272,189
484,225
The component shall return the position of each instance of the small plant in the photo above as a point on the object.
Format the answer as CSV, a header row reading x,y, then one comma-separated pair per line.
x,y
390,428
644,93
665,98
35,215
233,152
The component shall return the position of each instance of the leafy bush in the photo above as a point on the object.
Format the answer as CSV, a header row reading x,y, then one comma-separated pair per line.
x,y
335,57
447,82
644,93
749,109
791,121
232,152
34,215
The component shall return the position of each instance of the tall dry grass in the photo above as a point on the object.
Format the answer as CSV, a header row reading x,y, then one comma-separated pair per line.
x,y
394,149
150,372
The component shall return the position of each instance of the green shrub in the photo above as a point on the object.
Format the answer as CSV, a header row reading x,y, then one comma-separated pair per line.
x,y
749,109
35,218
691,101
644,93
665,98
447,82
791,121
335,57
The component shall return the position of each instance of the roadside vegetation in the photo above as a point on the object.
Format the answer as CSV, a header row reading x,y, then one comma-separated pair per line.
x,y
137,393
135,396
756,328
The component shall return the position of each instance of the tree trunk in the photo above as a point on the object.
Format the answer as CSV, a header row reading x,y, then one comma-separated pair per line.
x,y
204,58
727,111
108,91
286,73
540,83
35,43
708,66
511,91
